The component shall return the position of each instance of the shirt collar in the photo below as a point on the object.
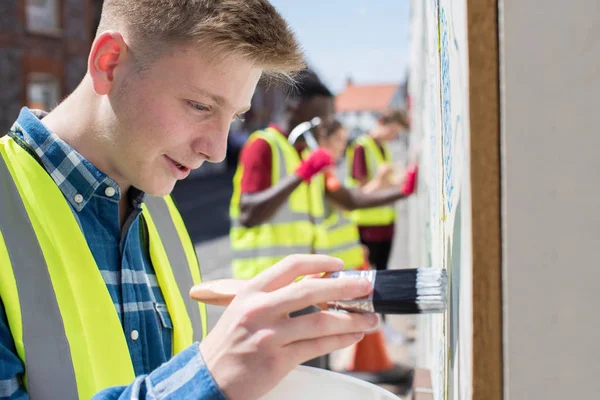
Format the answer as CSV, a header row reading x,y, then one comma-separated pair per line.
x,y
75,176
279,129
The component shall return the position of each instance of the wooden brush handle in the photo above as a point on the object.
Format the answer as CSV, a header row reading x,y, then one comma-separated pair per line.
x,y
221,292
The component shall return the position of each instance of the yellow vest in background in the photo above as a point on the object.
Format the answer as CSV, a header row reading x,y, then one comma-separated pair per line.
x,y
61,316
343,240
337,235
375,216
291,230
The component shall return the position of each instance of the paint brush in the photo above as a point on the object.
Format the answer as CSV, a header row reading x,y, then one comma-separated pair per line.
x,y
399,291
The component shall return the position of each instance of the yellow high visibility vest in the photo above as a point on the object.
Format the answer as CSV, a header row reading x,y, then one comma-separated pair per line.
x,y
291,230
338,235
375,216
63,321
343,239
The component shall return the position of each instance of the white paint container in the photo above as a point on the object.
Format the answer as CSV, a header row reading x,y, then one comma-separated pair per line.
x,y
318,384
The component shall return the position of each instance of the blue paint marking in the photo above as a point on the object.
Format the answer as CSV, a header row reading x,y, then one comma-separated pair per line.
x,y
446,111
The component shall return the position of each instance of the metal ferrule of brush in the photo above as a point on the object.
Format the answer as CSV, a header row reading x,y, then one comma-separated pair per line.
x,y
361,305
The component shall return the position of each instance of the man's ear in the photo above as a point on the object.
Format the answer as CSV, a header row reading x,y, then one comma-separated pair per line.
x,y
108,50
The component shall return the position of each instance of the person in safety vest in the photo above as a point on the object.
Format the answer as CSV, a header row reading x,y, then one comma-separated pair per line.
x,y
342,233
276,207
345,244
95,261
364,157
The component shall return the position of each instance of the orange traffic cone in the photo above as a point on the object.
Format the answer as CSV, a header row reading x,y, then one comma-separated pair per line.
x,y
370,354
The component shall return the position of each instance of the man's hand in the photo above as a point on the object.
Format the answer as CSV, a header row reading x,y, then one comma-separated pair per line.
x,y
381,180
410,180
255,344
314,163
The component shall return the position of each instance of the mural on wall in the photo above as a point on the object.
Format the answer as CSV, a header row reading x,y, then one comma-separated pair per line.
x,y
425,86
442,222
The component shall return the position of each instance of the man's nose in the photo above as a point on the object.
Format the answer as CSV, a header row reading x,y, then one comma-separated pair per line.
x,y
221,133
212,141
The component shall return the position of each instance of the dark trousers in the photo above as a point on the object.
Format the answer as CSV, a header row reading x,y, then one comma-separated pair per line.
x,y
379,254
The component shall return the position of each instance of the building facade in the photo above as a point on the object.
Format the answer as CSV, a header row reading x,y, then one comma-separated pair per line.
x,y
44,46
359,106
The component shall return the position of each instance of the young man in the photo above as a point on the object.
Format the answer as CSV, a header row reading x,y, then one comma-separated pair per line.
x,y
364,158
273,207
95,262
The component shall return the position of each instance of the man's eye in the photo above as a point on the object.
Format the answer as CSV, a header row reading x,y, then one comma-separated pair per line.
x,y
197,106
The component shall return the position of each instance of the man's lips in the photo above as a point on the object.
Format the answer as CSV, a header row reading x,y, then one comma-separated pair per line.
x,y
178,164
188,166
181,171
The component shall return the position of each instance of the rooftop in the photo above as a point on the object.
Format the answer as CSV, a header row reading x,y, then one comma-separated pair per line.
x,y
366,97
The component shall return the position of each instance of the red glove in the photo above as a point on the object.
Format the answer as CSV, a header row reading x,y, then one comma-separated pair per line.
x,y
314,163
410,180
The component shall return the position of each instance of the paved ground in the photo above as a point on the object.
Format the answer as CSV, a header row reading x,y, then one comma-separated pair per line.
x,y
204,204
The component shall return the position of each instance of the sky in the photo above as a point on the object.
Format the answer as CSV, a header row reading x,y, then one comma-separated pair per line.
x,y
367,40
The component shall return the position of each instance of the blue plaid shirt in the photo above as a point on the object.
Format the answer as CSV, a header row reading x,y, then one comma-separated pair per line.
x,y
122,256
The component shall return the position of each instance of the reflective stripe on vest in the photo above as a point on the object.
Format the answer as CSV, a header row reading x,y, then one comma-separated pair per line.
x,y
160,211
290,230
57,304
48,362
374,216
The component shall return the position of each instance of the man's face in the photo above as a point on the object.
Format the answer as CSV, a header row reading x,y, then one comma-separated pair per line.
x,y
175,115
336,143
391,131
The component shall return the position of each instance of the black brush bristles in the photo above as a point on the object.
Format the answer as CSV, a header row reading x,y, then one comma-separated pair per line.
x,y
410,291
399,291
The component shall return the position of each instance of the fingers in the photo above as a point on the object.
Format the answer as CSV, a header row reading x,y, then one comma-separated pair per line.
x,y
318,276
310,292
322,306
287,270
302,351
221,292
325,323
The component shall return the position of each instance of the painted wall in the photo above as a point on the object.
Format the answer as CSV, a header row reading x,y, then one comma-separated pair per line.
x,y
440,228
550,117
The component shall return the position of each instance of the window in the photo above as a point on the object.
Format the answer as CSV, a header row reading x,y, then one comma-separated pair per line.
x,y
43,16
43,91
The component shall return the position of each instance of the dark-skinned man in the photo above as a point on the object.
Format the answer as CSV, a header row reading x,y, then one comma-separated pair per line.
x,y
272,207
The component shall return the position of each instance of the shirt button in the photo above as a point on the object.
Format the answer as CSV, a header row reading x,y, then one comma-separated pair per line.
x,y
135,334
78,198
110,191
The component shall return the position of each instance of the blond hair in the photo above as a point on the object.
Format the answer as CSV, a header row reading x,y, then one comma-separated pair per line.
x,y
251,29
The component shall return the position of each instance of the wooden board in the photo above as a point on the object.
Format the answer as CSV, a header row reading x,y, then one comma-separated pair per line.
x,y
482,33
